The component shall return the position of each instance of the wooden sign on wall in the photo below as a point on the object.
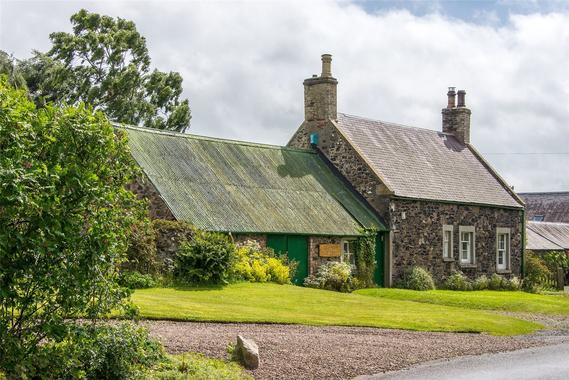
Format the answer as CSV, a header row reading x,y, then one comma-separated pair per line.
x,y
329,250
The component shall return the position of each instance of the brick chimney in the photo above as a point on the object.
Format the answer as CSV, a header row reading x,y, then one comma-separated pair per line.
x,y
456,117
320,94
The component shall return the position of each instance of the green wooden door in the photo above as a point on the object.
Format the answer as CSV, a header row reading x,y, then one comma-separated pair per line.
x,y
296,248
380,259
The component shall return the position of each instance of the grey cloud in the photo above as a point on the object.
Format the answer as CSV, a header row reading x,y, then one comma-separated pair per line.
x,y
243,66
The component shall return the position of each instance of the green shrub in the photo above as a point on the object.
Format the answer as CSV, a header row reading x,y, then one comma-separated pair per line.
x,y
537,274
332,276
480,283
142,247
458,281
136,280
514,283
255,264
207,258
417,278
122,351
365,258
169,235
496,282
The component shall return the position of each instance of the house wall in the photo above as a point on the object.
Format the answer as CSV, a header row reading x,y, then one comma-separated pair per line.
x,y
243,238
418,238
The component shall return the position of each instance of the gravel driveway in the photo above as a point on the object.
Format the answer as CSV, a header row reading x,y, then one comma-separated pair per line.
x,y
307,352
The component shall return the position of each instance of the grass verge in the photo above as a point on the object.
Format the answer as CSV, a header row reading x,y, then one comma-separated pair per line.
x,y
272,303
198,367
557,304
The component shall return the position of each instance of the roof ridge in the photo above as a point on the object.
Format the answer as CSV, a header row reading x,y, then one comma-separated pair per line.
x,y
543,192
209,138
390,123
542,222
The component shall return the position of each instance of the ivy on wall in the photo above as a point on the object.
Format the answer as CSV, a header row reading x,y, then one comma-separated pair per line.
x,y
365,257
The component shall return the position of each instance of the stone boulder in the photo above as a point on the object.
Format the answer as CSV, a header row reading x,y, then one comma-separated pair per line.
x,y
247,352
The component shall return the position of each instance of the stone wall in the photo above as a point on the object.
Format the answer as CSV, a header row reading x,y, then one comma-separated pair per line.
x,y
240,239
144,189
314,259
417,238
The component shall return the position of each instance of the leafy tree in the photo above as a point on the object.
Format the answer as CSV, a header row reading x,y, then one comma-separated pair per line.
x,y
9,67
64,220
104,62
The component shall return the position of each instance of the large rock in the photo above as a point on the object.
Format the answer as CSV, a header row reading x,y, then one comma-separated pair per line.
x,y
247,352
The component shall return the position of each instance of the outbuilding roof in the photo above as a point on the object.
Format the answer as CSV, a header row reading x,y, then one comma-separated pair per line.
x,y
547,207
545,236
241,187
425,164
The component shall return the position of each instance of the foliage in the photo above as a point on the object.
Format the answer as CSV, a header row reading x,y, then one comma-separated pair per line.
x,y
480,283
556,260
141,251
417,278
365,257
273,303
197,367
333,276
537,274
65,214
255,264
136,280
207,258
104,62
97,352
9,67
458,281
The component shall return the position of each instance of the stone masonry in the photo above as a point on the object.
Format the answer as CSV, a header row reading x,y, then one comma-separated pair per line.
x,y
418,238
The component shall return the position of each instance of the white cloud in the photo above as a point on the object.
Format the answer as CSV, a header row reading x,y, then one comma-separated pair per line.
x,y
243,66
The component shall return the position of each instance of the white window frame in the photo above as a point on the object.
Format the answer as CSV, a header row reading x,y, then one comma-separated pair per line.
x,y
502,231
348,256
448,250
471,251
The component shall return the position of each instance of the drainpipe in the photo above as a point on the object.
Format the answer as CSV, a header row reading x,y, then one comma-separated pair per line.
x,y
522,271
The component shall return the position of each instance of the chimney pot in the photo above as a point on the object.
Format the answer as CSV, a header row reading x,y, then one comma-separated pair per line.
x,y
326,66
451,94
461,96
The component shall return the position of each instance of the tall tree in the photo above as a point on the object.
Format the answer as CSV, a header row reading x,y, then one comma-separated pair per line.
x,y
10,67
104,62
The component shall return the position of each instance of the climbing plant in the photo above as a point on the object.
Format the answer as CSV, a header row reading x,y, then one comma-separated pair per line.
x,y
365,257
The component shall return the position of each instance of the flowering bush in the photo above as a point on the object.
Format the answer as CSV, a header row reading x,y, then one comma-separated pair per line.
x,y
333,276
458,281
417,278
256,264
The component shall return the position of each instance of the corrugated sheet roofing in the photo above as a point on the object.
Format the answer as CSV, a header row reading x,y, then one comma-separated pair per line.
x,y
231,186
553,207
547,236
424,164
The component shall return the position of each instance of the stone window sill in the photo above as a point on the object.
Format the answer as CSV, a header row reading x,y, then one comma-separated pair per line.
x,y
448,259
504,271
468,266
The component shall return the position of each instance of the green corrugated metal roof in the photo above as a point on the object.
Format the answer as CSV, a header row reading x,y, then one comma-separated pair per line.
x,y
231,186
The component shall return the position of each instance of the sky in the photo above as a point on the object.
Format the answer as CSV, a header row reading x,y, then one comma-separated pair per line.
x,y
243,64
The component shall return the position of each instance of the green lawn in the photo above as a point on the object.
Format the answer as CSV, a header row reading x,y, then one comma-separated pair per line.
x,y
485,299
272,303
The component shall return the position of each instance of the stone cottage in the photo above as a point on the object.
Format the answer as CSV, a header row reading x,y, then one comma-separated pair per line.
x,y
446,208
432,197
285,198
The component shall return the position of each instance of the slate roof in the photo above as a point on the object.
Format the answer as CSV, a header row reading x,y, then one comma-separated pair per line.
x,y
425,164
232,186
546,236
554,206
